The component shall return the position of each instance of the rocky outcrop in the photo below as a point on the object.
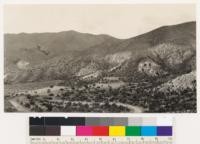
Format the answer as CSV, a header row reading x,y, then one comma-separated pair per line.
x,y
118,58
89,69
172,56
22,64
150,68
180,83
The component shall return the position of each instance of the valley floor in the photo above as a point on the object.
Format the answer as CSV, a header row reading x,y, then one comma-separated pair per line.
x,y
102,96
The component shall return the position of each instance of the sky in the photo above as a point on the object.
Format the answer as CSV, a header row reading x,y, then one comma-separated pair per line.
x,y
121,21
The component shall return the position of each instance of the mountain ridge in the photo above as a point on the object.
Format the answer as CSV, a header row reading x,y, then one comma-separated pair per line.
x,y
178,39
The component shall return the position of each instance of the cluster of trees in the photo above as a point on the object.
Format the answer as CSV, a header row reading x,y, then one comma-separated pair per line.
x,y
84,96
46,104
174,101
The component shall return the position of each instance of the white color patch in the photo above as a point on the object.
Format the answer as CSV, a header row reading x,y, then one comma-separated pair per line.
x,y
165,121
68,130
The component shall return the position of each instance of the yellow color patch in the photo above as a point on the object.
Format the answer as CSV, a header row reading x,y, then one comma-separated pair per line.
x,y
116,130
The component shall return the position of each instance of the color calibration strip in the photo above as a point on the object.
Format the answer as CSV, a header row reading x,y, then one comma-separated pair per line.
x,y
104,126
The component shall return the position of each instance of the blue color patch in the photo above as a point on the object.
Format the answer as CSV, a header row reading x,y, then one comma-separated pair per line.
x,y
148,131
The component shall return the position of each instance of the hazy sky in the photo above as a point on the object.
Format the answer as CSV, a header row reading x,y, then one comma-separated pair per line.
x,y
122,21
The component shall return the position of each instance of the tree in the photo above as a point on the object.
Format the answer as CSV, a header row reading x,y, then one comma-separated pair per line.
x,y
48,90
51,86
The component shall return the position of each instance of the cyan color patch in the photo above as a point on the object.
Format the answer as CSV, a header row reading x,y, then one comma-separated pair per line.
x,y
148,131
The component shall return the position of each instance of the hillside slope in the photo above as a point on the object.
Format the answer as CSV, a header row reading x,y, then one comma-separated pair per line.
x,y
163,51
36,48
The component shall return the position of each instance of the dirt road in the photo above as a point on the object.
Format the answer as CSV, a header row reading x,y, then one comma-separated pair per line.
x,y
19,107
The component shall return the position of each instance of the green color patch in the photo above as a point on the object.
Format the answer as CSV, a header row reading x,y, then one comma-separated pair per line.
x,y
133,131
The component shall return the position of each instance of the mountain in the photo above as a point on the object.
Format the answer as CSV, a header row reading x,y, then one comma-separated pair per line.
x,y
39,47
181,34
168,50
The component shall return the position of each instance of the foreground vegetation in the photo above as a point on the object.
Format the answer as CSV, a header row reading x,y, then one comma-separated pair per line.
x,y
86,96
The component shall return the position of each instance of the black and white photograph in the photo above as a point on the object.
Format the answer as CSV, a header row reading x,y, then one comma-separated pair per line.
x,y
108,58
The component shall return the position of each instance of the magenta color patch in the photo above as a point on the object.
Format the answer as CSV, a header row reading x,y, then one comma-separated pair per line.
x,y
84,131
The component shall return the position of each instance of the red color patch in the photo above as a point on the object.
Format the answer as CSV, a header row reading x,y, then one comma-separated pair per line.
x,y
100,131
